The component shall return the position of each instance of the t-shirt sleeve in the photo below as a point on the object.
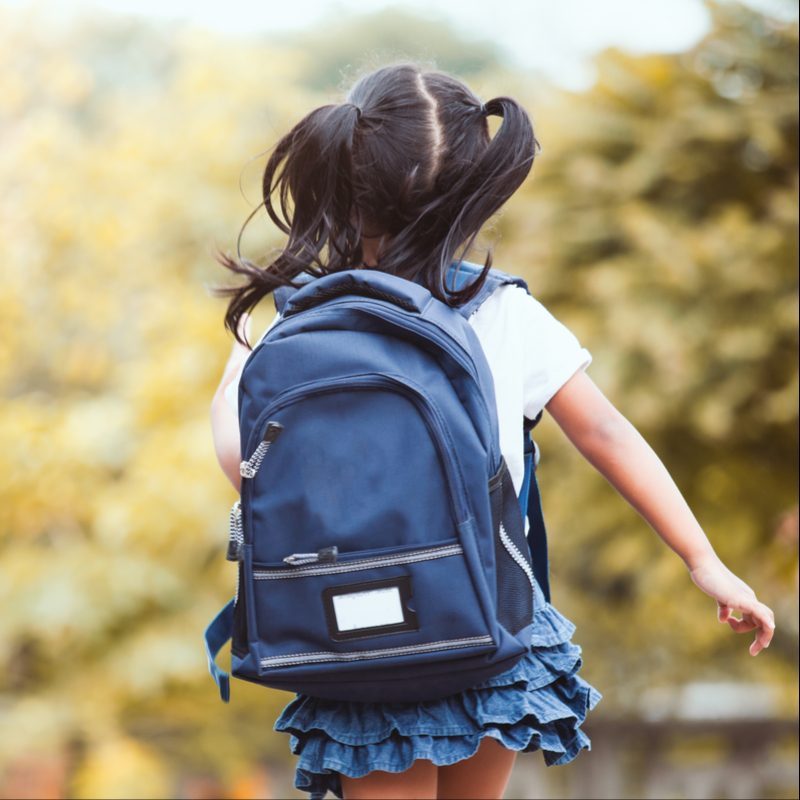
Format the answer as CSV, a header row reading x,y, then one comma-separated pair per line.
x,y
551,353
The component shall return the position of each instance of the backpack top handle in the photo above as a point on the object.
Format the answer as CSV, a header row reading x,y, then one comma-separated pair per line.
x,y
365,283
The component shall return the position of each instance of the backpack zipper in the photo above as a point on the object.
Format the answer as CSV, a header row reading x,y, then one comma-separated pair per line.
x,y
519,559
249,468
426,554
325,556
297,659
236,535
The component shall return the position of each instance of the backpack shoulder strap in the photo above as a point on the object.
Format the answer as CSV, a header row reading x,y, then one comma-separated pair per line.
x,y
462,274
529,498
282,294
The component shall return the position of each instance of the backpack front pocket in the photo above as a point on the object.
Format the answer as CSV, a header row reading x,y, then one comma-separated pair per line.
x,y
340,475
337,613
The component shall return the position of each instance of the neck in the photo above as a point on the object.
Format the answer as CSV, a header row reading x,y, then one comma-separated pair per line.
x,y
371,249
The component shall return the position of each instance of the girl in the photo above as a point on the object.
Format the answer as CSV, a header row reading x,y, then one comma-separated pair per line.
x,y
400,178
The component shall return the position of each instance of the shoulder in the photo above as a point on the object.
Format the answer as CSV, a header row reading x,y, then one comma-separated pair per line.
x,y
511,301
510,313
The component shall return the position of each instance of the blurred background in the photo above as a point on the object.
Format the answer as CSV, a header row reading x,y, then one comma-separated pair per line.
x,y
661,227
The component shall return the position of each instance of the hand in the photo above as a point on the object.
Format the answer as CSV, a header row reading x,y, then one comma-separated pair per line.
x,y
733,594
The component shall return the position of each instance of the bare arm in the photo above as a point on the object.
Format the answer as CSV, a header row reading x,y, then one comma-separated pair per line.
x,y
224,423
616,449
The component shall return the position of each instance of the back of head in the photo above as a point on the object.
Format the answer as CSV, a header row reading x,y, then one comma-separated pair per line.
x,y
408,159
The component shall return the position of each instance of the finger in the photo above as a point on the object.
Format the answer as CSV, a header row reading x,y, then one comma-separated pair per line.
x,y
723,613
762,640
764,617
760,615
766,628
741,625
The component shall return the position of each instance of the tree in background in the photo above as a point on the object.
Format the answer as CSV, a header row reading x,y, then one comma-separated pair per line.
x,y
661,227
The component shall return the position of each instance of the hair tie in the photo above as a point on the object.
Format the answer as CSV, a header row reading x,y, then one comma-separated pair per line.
x,y
484,111
358,110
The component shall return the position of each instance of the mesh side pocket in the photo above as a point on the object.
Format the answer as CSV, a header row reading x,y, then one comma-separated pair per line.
x,y
512,557
239,640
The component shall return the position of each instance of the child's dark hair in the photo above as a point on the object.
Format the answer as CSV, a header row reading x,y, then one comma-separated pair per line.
x,y
409,157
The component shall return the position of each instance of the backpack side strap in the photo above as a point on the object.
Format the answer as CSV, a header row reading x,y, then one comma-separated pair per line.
x,y
531,504
217,634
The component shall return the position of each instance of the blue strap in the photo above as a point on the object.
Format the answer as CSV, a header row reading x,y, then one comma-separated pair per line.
x,y
531,503
526,485
529,499
467,271
217,634
282,294
281,297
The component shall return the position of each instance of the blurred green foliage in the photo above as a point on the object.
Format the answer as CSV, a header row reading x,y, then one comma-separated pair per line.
x,y
661,227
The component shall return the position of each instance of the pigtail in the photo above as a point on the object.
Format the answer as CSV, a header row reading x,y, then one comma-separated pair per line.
x,y
487,185
476,176
308,194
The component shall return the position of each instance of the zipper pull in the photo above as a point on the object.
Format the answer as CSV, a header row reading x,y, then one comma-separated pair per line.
x,y
327,555
249,468
272,432
234,551
236,538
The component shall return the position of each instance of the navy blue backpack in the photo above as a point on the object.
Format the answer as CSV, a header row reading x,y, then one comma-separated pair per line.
x,y
380,544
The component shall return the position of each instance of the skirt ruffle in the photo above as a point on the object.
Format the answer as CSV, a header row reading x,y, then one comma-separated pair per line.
x,y
539,704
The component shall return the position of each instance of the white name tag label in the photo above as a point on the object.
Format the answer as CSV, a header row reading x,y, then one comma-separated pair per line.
x,y
373,608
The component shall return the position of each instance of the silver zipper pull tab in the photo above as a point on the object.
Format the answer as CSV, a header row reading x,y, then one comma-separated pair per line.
x,y
325,556
236,538
272,432
234,551
328,555
249,468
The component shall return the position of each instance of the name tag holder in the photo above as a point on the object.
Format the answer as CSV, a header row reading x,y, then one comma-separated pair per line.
x,y
370,609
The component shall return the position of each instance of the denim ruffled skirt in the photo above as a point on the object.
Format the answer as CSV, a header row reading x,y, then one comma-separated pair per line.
x,y
539,704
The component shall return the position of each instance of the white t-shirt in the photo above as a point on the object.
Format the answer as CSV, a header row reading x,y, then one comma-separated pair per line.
x,y
531,356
